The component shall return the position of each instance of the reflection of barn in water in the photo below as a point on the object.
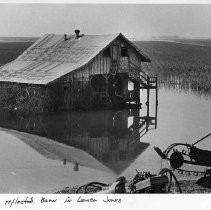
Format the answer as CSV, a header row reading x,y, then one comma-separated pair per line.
x,y
110,137
75,71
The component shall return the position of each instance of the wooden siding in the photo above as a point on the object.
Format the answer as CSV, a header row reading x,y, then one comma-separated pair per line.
x,y
24,97
102,65
75,88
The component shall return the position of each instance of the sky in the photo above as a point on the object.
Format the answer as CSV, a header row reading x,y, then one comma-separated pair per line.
x,y
133,20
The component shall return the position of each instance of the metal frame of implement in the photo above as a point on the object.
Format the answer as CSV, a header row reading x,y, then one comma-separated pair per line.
x,y
189,155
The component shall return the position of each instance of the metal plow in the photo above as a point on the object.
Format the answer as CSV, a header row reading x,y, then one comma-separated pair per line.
x,y
179,154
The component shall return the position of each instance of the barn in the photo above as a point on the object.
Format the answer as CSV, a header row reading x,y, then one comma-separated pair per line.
x,y
63,72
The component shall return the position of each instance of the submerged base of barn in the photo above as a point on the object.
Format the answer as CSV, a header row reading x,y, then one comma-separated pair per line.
x,y
100,91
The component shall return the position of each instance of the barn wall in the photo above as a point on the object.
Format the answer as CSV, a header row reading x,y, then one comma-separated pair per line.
x,y
74,90
24,97
133,56
101,64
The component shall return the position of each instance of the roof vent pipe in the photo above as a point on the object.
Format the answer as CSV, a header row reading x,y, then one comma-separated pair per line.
x,y
65,37
77,32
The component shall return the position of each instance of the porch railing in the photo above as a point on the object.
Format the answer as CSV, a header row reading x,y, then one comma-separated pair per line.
x,y
135,72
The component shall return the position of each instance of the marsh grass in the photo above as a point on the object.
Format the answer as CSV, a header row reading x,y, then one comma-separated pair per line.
x,y
11,50
179,65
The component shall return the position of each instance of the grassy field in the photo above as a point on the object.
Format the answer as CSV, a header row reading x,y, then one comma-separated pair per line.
x,y
186,65
10,50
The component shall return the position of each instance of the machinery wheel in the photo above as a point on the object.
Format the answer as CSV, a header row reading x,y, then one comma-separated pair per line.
x,y
171,176
176,160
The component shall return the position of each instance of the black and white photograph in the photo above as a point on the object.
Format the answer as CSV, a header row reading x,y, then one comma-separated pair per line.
x,y
102,98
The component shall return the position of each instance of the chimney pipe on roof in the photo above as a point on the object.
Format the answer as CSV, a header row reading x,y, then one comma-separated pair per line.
x,y
77,32
65,37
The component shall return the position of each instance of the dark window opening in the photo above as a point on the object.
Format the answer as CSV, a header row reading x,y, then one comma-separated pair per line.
x,y
124,52
107,52
66,88
98,83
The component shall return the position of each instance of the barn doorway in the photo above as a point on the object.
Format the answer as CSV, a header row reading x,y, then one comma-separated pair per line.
x,y
116,89
98,83
99,90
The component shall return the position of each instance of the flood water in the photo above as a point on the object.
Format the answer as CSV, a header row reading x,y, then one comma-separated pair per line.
x,y
45,153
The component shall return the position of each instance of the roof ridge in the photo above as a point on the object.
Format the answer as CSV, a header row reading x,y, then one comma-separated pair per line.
x,y
116,34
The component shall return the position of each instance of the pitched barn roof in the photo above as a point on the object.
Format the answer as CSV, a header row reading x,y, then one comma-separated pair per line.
x,y
52,57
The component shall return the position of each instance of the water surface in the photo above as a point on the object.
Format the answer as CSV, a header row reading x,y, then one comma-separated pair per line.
x,y
44,153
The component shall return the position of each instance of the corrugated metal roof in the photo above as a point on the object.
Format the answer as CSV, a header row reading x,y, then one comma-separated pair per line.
x,y
52,57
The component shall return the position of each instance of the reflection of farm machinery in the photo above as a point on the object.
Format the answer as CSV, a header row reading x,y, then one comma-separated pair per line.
x,y
179,153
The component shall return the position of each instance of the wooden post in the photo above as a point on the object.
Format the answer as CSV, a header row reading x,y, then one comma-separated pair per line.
x,y
156,105
156,116
136,115
156,83
147,103
106,78
137,92
147,118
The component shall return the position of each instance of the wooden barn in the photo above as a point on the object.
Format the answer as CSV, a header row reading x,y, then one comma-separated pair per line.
x,y
61,72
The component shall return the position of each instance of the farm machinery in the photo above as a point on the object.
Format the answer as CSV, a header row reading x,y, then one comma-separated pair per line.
x,y
143,183
180,154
